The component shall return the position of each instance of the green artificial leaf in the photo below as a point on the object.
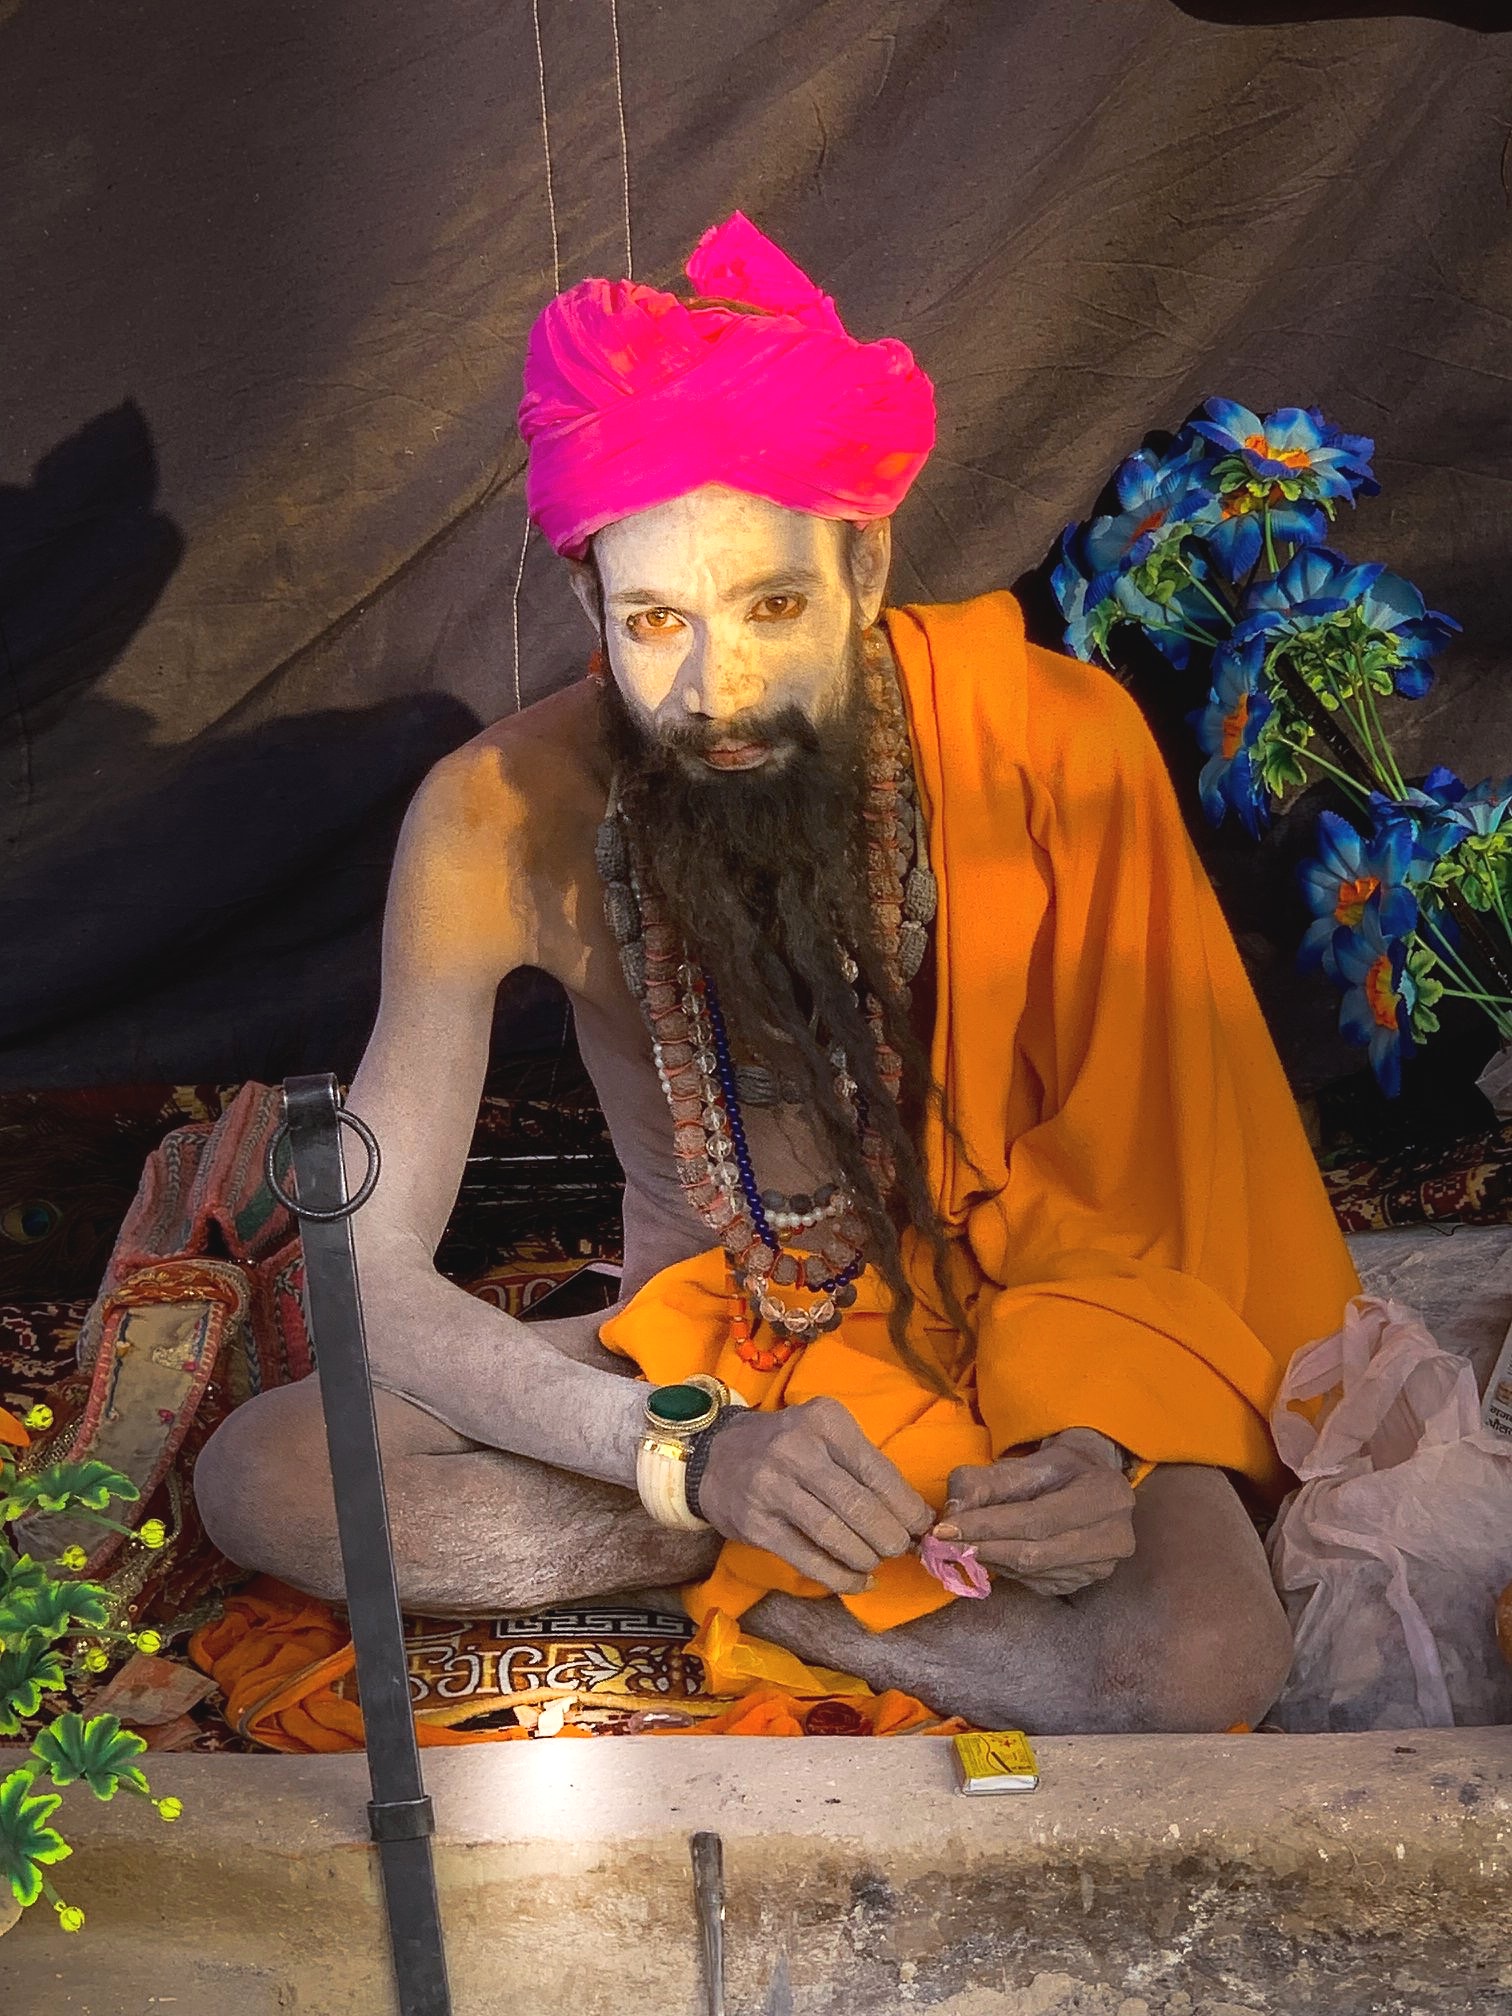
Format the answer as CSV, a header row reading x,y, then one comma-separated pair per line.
x,y
1234,473
1475,889
1425,990
1101,623
52,1608
1484,860
63,1485
25,1839
98,1751
1279,769
27,1670
1164,574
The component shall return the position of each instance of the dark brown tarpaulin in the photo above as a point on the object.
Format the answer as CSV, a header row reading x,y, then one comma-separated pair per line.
x,y
268,271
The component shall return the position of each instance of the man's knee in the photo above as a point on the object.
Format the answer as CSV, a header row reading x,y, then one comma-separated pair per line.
x,y
262,1483
1210,1663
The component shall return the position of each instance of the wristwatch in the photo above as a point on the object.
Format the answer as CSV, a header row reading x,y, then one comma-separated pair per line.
x,y
678,1419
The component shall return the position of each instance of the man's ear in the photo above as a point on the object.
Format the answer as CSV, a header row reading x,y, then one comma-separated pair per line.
x,y
870,564
585,585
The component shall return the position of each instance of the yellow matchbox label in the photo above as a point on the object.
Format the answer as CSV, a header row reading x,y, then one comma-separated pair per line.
x,y
998,1760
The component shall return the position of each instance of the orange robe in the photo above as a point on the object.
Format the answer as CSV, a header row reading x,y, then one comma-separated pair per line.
x,y
1148,1240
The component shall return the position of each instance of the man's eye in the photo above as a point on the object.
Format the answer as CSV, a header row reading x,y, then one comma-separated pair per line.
x,y
778,608
652,623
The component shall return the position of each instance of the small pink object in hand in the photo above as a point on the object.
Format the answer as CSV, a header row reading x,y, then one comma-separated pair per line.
x,y
955,1566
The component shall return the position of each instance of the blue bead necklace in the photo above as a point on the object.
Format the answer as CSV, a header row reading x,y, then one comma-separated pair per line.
x,y
725,1069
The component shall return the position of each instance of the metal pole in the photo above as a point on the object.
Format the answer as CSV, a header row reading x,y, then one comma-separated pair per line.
x,y
399,1812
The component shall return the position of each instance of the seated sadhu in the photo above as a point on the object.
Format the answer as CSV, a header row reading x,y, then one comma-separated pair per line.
x,y
955,1146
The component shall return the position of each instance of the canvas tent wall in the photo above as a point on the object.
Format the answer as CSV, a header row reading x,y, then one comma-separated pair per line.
x,y
269,269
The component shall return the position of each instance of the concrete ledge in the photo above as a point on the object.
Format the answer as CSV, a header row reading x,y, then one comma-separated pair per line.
x,y
1149,1876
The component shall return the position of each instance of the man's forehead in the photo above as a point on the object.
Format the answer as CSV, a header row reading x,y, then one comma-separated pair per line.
x,y
717,545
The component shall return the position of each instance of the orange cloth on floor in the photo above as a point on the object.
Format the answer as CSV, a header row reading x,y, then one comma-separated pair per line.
x,y
1145,1240
275,1654
772,1711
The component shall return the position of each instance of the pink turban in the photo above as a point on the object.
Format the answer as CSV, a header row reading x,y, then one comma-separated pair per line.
x,y
633,397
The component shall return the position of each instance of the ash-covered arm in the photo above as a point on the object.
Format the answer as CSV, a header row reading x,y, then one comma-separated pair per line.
x,y
462,915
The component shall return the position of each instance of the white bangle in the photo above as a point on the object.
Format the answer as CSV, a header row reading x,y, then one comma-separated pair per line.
x,y
661,1478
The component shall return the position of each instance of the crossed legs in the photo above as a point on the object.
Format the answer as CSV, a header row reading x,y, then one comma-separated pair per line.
x,y
1186,1635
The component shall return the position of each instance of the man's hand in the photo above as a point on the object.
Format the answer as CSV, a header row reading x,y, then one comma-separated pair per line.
x,y
1055,1521
805,1484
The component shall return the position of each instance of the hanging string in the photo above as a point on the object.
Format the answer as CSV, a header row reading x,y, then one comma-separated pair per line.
x,y
514,610
556,284
619,97
556,254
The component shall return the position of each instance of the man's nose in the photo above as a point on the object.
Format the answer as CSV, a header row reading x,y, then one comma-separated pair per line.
x,y
717,681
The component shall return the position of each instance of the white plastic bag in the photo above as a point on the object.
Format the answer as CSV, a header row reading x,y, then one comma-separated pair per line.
x,y
1392,1553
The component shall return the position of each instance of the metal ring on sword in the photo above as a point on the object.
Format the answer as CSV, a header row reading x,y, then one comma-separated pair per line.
x,y
365,1189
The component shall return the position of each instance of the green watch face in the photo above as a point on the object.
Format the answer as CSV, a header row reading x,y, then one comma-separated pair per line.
x,y
677,1405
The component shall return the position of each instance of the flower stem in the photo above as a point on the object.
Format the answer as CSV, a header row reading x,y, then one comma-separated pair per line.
x,y
1444,956
1469,921
1394,777
1354,711
1306,705
1341,776
1488,1001
1203,589
1270,548
1196,636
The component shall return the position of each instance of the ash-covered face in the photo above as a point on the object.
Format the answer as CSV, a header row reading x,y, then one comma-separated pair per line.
x,y
736,719
723,613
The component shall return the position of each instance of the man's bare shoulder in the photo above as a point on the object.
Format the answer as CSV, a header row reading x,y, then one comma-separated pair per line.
x,y
498,829
522,764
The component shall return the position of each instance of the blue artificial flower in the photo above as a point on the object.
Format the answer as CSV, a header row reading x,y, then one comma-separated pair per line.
x,y
1394,608
1131,567
1351,452
1480,810
1227,729
1348,874
1291,445
1284,472
1160,498
1377,1005
1313,585
1165,602
1237,535
1425,815
1087,623
1318,587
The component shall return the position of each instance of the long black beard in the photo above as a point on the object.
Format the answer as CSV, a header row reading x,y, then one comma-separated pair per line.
x,y
763,874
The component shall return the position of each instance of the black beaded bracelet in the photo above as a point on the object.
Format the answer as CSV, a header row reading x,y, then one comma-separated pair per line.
x,y
698,1457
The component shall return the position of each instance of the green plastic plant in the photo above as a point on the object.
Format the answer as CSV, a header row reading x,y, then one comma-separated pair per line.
x,y
54,1629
